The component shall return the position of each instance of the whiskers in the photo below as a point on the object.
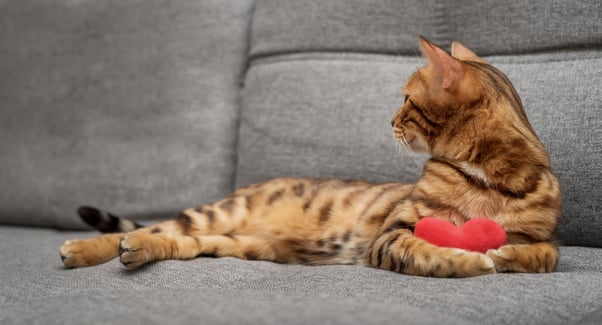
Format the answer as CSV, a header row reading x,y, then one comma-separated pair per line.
x,y
401,142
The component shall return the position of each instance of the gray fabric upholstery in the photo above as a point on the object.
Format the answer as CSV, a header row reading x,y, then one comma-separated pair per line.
x,y
127,105
386,26
342,25
136,106
213,306
324,116
36,289
593,318
511,27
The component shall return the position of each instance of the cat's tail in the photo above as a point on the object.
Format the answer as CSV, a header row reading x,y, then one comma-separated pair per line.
x,y
106,222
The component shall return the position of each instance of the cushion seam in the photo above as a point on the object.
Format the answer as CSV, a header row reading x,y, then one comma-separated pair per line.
x,y
384,57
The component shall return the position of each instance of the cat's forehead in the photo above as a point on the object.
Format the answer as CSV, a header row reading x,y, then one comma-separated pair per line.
x,y
415,82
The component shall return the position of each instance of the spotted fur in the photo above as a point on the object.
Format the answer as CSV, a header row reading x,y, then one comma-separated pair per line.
x,y
486,162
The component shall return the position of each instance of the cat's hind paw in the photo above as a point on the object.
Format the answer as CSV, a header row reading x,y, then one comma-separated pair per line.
x,y
78,253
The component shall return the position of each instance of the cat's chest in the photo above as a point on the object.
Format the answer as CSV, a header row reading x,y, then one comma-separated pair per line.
x,y
460,205
447,191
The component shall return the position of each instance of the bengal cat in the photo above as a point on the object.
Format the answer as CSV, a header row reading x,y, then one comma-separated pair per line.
x,y
486,161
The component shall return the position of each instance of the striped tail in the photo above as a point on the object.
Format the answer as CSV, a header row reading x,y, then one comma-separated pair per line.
x,y
106,222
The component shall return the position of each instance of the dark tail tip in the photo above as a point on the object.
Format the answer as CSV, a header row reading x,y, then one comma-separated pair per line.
x,y
104,221
99,220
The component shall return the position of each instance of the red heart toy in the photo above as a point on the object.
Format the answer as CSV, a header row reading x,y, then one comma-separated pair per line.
x,y
478,234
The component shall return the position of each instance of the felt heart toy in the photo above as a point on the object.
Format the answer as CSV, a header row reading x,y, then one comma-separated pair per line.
x,y
478,234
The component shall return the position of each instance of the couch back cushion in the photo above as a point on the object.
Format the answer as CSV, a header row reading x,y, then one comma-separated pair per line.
x,y
128,105
325,79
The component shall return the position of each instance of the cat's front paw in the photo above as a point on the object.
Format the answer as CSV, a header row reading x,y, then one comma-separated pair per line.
x,y
468,263
503,257
524,258
132,252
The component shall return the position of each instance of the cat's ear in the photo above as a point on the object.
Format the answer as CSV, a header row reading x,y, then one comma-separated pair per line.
x,y
461,52
447,71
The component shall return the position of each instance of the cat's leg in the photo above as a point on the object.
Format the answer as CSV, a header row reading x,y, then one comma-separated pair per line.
x,y
529,258
396,248
88,252
401,251
220,217
102,248
140,248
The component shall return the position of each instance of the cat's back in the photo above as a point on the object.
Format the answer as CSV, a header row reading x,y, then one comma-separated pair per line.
x,y
320,202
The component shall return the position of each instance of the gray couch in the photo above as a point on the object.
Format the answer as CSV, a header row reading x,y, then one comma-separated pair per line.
x,y
145,107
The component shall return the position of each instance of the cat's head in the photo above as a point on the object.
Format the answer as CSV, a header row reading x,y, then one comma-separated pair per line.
x,y
454,101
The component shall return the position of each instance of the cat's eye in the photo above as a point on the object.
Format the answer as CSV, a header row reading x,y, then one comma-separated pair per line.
x,y
406,99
